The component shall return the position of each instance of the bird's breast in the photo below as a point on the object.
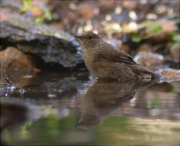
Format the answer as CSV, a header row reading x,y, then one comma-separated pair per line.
x,y
89,59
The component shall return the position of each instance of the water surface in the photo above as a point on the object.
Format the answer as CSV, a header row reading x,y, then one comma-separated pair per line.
x,y
73,109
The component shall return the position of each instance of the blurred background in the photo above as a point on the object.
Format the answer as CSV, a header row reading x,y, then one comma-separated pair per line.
x,y
47,95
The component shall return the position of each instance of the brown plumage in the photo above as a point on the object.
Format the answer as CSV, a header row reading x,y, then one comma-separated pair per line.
x,y
106,62
104,98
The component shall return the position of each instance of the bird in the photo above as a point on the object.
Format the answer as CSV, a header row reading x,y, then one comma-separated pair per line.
x,y
102,99
107,62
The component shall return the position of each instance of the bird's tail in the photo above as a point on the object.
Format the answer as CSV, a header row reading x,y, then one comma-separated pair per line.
x,y
141,72
157,77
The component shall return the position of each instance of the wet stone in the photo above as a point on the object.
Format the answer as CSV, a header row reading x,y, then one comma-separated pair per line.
x,y
144,48
152,61
169,74
49,43
175,52
13,59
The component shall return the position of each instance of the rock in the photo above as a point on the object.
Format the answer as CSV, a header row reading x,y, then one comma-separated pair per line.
x,y
87,10
145,48
37,11
108,6
169,74
71,19
175,52
159,30
51,44
164,28
130,5
13,59
152,61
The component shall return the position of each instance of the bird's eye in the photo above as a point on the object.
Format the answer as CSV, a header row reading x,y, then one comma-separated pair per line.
x,y
90,37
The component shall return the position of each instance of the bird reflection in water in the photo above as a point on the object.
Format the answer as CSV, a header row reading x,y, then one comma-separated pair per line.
x,y
104,98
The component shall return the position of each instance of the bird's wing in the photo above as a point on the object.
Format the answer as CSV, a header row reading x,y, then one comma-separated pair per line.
x,y
113,55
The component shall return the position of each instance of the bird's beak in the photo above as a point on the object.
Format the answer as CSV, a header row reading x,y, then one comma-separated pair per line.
x,y
78,36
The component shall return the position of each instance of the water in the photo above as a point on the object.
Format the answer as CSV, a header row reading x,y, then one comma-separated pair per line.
x,y
72,109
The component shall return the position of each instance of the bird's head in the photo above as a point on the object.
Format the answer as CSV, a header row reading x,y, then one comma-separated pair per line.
x,y
88,39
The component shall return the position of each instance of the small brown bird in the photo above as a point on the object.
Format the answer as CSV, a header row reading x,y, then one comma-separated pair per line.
x,y
106,62
104,98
